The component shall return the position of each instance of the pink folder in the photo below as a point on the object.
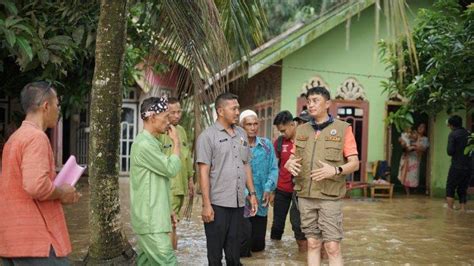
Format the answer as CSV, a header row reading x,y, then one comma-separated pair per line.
x,y
70,173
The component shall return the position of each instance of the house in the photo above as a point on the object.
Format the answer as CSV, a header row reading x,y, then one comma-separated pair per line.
x,y
319,52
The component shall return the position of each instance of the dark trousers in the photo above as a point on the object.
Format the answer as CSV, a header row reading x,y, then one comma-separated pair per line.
x,y
281,206
259,228
458,181
252,235
47,261
223,234
245,238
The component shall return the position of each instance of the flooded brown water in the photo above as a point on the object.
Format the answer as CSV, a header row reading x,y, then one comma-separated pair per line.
x,y
415,230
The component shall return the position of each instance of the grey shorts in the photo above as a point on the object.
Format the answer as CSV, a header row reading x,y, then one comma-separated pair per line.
x,y
321,219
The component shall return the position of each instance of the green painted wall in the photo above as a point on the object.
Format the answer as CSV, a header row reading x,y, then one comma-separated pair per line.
x,y
328,54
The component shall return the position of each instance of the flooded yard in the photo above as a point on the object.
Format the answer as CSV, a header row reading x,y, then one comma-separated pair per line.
x,y
415,230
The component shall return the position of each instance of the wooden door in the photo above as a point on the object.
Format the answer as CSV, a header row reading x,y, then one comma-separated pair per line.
x,y
356,113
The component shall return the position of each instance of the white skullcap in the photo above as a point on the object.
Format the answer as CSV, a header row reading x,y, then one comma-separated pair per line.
x,y
245,114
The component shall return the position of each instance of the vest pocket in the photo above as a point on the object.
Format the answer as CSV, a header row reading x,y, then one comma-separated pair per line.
x,y
332,188
333,151
298,184
299,147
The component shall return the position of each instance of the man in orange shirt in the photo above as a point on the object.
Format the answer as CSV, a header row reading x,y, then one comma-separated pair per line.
x,y
33,228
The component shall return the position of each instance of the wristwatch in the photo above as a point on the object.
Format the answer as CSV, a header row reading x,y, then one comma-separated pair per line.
x,y
339,170
253,193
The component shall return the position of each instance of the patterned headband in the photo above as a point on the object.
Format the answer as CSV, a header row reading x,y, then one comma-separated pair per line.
x,y
160,106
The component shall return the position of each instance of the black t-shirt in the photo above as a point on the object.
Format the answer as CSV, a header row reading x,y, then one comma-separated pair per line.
x,y
457,142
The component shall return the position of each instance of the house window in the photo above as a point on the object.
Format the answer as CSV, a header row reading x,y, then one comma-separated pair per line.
x,y
265,111
130,95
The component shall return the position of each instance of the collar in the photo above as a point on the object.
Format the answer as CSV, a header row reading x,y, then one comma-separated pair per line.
x,y
319,127
258,141
220,127
148,134
28,123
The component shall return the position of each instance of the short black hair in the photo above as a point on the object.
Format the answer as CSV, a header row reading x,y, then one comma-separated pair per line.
x,y
146,104
173,100
283,118
34,93
455,121
221,98
319,91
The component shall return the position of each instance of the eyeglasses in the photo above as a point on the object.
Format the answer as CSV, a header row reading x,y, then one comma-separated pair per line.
x,y
313,101
47,89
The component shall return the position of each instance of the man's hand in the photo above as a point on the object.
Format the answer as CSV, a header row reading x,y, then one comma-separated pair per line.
x,y
68,194
207,214
324,172
266,199
254,204
191,187
173,133
293,166
174,219
272,198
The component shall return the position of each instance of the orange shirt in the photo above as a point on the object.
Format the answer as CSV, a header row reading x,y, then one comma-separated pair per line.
x,y
350,145
30,224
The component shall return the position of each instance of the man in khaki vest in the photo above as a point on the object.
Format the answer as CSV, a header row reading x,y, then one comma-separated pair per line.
x,y
325,152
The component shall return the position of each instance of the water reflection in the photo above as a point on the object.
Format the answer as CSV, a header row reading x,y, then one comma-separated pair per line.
x,y
415,230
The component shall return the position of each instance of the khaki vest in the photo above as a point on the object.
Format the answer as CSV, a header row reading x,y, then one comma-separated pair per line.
x,y
328,148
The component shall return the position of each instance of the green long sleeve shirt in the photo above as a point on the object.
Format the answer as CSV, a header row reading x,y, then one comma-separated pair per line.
x,y
150,173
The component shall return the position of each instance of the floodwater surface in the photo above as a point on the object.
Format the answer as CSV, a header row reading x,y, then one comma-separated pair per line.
x,y
415,230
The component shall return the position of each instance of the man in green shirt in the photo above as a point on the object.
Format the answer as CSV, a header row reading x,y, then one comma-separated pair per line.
x,y
183,182
150,173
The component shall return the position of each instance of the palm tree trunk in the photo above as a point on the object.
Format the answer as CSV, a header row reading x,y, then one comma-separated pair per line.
x,y
108,244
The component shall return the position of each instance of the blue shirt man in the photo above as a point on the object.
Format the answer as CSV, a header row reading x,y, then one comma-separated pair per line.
x,y
265,174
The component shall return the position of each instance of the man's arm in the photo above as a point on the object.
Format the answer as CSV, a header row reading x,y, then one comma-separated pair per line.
x,y
204,183
204,159
351,166
66,193
329,171
36,173
251,188
451,145
349,152
207,210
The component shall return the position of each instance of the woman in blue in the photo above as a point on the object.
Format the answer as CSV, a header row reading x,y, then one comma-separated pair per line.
x,y
265,174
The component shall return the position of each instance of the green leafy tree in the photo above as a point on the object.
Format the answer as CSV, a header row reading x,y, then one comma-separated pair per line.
x,y
443,37
48,40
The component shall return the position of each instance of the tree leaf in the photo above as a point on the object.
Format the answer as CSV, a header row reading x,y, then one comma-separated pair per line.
x,y
55,59
60,39
23,28
10,6
10,21
90,39
78,34
43,56
10,36
25,47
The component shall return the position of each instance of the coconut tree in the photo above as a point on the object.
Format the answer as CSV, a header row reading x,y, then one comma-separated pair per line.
x,y
107,242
